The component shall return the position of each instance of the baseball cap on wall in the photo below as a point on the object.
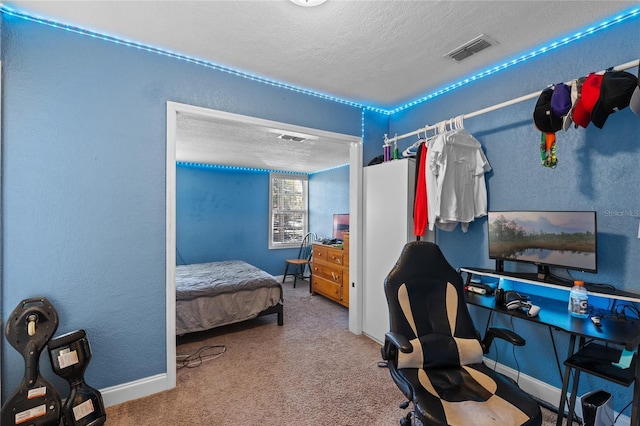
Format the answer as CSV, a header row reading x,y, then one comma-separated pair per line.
x,y
615,94
576,88
634,103
543,119
560,100
588,97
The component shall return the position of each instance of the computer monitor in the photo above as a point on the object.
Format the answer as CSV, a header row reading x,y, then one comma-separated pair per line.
x,y
565,239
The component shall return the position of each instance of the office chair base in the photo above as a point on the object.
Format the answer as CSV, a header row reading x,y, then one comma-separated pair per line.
x,y
411,419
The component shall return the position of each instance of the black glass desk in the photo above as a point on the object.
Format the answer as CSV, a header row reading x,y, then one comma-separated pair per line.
x,y
593,358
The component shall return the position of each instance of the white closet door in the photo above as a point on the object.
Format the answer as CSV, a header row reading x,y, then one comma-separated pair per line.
x,y
388,226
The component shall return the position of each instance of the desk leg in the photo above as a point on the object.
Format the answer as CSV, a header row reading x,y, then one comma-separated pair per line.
x,y
635,421
574,389
565,384
572,400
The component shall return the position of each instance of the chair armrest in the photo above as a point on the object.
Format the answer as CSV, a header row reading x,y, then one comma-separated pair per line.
x,y
394,342
501,333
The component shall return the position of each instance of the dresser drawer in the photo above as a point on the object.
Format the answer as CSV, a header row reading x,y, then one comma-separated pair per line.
x,y
326,288
335,256
327,272
319,252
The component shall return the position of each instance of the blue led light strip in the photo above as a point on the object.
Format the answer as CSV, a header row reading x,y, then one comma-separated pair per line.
x,y
577,36
236,168
10,12
252,169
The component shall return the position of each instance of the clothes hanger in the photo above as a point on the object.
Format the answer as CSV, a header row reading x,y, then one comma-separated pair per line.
x,y
409,152
458,123
426,139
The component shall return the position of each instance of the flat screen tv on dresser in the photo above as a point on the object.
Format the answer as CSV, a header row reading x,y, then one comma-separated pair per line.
x,y
340,225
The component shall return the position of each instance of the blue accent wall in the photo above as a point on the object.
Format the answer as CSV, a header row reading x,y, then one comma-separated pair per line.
x,y
377,125
328,194
223,214
597,170
83,187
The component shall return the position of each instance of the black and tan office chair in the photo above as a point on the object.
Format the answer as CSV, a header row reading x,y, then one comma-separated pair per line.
x,y
303,260
434,352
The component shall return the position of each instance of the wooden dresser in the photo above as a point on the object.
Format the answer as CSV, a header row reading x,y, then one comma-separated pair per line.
x,y
331,271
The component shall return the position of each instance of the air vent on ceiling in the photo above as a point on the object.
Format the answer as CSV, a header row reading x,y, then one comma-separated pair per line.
x,y
291,138
470,48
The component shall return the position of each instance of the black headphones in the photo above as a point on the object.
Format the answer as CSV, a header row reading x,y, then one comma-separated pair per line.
x,y
513,301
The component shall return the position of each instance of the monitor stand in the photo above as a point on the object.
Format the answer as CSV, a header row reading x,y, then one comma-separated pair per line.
x,y
543,272
499,265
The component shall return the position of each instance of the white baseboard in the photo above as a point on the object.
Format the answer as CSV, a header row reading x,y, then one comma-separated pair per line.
x,y
543,391
118,394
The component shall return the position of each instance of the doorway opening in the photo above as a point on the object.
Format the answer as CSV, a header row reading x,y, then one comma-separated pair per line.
x,y
198,151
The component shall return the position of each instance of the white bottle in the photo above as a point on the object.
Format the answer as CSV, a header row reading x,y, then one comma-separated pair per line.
x,y
578,304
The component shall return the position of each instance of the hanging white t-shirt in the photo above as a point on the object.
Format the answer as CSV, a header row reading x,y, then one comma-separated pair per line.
x,y
457,188
435,171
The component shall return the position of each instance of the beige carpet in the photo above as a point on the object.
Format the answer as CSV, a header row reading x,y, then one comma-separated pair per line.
x,y
311,371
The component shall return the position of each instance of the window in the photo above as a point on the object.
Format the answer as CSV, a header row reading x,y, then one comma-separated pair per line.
x,y
288,215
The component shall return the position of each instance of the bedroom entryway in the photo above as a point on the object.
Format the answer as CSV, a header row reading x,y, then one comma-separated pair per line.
x,y
175,113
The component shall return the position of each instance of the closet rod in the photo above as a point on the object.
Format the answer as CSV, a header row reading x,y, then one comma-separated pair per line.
x,y
621,67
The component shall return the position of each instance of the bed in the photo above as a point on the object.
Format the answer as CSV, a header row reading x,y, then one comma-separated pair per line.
x,y
214,294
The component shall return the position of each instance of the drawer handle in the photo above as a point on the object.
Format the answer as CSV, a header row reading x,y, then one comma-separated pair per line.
x,y
335,276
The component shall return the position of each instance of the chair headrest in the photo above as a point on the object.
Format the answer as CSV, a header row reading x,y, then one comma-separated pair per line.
x,y
420,259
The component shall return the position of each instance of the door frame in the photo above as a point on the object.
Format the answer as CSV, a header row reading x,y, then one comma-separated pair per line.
x,y
355,206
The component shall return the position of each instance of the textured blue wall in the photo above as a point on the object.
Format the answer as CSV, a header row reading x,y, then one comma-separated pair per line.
x,y
328,194
223,215
83,189
597,170
377,125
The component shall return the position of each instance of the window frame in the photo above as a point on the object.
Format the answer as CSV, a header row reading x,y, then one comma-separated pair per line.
x,y
273,211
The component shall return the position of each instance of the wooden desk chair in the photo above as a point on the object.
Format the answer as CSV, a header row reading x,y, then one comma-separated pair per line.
x,y
302,261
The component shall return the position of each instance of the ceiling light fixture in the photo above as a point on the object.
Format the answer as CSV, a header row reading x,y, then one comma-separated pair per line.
x,y
308,3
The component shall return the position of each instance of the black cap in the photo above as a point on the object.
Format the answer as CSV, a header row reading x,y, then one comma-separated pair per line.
x,y
615,94
543,119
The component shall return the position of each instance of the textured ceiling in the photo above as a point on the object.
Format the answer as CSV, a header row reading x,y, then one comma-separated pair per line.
x,y
379,53
213,140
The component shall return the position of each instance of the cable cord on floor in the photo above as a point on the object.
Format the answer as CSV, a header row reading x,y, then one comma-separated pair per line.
x,y
621,411
195,359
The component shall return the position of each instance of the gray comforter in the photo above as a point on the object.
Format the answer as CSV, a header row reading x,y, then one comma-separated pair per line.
x,y
213,278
